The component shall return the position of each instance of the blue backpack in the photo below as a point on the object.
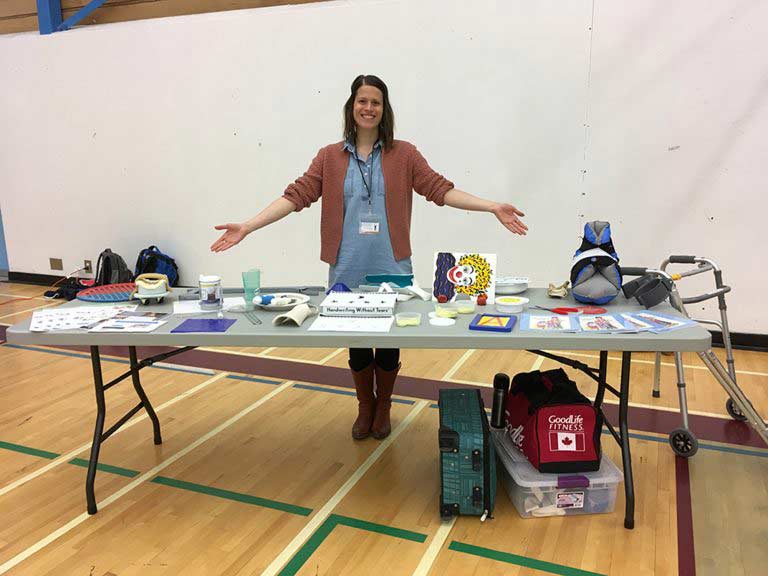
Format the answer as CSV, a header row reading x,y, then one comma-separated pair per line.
x,y
151,260
595,273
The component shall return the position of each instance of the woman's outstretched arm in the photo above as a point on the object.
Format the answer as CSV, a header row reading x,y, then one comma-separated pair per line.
x,y
507,214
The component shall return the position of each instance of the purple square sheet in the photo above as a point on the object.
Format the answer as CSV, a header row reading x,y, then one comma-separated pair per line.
x,y
204,325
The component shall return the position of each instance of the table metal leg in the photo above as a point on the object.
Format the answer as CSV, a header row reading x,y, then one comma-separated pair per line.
x,y
602,375
99,435
626,457
143,396
101,412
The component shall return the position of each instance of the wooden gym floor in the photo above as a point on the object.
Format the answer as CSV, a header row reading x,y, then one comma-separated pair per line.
x,y
257,473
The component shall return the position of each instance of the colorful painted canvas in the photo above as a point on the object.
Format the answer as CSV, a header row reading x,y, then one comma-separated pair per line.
x,y
465,273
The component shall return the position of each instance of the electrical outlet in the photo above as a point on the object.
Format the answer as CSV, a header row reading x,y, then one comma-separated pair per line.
x,y
56,263
88,266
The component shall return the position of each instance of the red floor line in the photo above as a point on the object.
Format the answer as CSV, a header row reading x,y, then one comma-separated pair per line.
x,y
686,557
641,419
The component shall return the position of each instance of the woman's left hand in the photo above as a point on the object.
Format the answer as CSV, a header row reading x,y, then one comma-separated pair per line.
x,y
508,215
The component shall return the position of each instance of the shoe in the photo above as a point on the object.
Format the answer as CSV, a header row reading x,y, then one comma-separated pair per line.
x,y
365,401
385,384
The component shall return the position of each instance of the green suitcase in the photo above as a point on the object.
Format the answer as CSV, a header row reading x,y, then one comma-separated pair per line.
x,y
467,455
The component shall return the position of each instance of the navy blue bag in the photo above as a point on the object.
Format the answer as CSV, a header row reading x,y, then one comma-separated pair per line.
x,y
595,273
151,260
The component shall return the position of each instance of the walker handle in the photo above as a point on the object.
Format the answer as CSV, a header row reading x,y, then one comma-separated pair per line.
x,y
630,271
707,296
678,259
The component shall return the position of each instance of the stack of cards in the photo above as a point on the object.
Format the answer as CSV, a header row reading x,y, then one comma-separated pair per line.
x,y
642,321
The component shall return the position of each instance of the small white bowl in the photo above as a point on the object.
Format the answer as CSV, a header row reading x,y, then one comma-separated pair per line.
x,y
511,284
510,304
408,319
446,310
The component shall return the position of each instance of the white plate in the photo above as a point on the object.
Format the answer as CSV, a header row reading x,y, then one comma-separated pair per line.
x,y
442,321
509,290
511,284
296,299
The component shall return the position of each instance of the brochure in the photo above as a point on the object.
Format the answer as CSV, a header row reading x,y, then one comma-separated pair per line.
x,y
549,323
132,322
604,323
662,322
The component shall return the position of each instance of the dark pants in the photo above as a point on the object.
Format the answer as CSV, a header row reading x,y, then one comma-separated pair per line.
x,y
386,358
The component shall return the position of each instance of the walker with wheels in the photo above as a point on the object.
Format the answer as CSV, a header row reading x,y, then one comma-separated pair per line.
x,y
738,406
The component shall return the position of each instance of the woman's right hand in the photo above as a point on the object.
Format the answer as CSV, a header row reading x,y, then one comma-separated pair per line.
x,y
232,235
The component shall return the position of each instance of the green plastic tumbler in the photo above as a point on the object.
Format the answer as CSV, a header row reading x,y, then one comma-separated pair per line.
x,y
251,285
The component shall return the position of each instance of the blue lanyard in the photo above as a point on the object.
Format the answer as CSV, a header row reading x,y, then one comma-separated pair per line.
x,y
365,183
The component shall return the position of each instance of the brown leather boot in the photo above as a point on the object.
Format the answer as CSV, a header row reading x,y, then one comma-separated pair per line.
x,y
385,383
365,402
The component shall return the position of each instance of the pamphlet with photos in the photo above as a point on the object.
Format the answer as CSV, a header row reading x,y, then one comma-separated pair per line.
x,y
661,322
605,323
549,323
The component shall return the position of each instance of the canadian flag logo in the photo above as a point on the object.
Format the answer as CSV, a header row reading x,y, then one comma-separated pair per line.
x,y
566,441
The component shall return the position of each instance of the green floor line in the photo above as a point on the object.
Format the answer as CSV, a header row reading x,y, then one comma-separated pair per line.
x,y
229,495
519,560
106,468
319,536
381,529
27,450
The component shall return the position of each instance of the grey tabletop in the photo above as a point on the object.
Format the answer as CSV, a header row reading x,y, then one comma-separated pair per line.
x,y
244,333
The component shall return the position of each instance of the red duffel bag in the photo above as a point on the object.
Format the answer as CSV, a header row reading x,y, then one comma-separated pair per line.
x,y
554,424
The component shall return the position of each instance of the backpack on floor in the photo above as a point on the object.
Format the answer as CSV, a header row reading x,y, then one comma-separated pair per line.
x,y
67,289
152,261
552,423
111,269
595,273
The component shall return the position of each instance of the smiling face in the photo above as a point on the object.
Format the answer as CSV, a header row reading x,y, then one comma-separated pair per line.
x,y
368,107
462,275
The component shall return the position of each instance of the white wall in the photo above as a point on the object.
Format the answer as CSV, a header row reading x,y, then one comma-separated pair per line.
x,y
651,115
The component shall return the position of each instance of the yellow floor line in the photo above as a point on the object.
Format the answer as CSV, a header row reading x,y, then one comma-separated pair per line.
x,y
438,540
322,514
332,355
724,416
30,310
468,382
141,479
20,297
298,360
459,363
73,453
220,351
537,365
265,354
652,362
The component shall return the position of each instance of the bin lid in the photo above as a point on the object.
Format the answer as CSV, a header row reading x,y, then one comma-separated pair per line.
x,y
525,475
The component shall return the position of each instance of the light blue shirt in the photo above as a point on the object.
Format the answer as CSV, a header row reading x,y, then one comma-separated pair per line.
x,y
361,254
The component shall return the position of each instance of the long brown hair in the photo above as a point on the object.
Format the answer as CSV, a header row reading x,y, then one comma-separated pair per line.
x,y
387,124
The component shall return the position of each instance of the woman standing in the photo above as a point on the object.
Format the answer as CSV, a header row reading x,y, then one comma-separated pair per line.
x,y
366,184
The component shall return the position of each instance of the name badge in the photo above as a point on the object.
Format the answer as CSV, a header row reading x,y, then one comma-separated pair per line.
x,y
369,224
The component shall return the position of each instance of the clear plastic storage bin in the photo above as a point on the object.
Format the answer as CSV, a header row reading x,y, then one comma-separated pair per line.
x,y
535,494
